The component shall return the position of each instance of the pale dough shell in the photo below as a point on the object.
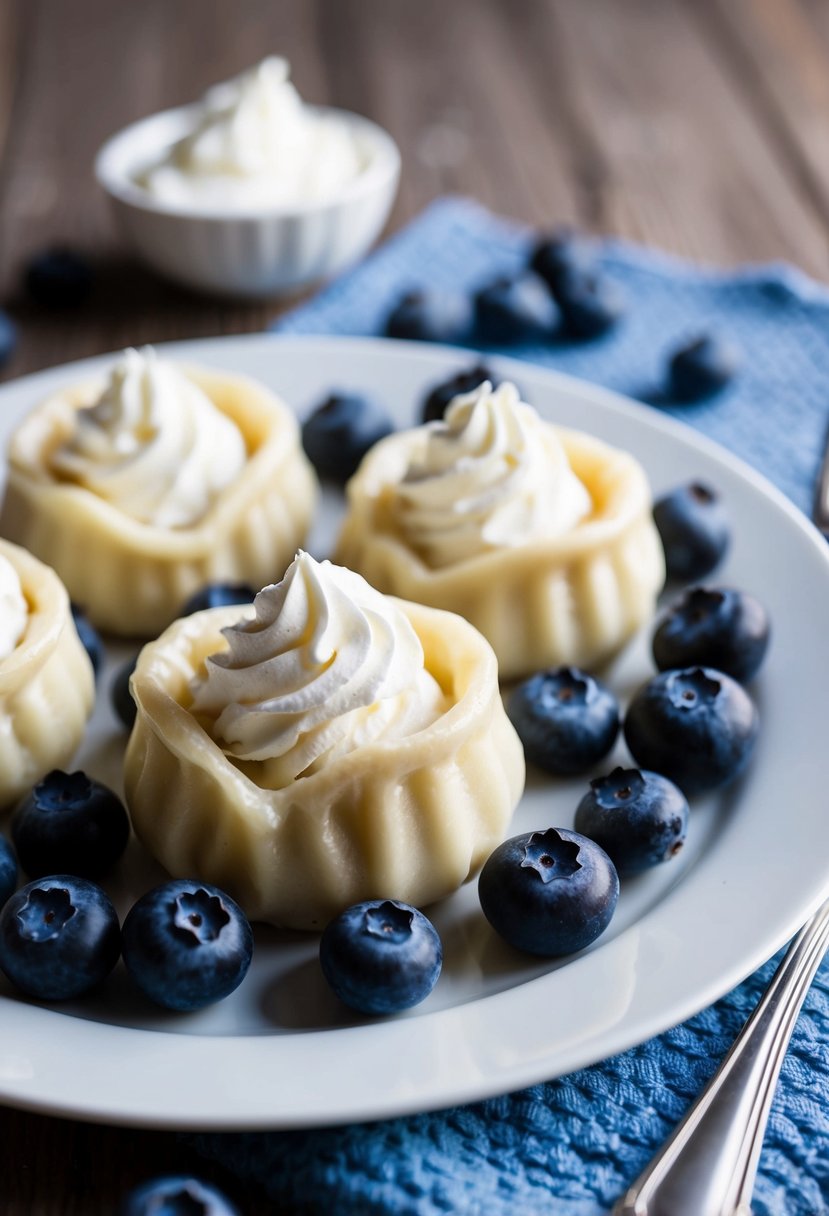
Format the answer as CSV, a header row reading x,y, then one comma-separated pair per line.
x,y
570,599
408,820
132,578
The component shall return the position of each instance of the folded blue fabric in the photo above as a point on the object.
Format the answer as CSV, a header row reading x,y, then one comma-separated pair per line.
x,y
569,1147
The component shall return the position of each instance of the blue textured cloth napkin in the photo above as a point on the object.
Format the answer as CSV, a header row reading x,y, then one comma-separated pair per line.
x,y
569,1147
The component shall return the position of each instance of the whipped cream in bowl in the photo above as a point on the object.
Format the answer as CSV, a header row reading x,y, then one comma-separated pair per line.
x,y
254,144
14,610
325,666
153,444
251,191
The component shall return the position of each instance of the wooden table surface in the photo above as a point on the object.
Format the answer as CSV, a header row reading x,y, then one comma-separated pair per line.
x,y
700,127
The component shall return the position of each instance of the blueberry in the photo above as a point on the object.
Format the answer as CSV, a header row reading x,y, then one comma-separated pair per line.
x,y
694,725
431,315
639,818
714,627
516,309
702,367
338,433
550,892
59,937
8,870
439,396
590,303
59,278
566,719
218,595
72,824
90,638
187,944
381,956
8,338
695,530
121,696
562,254
176,1195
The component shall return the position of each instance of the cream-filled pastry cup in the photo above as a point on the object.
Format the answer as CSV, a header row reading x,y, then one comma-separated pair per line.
x,y
142,488
541,537
47,686
326,746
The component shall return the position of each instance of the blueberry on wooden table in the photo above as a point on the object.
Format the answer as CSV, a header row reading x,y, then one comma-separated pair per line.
x,y
176,1195
466,381
218,595
90,638
338,433
639,818
718,627
8,337
702,367
566,719
381,956
187,944
561,253
59,937
59,278
694,528
514,309
695,725
549,893
71,824
431,315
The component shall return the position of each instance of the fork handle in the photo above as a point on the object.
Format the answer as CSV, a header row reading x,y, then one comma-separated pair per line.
x,y
708,1165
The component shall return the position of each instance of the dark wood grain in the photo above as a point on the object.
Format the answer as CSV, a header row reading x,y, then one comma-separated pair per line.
x,y
701,127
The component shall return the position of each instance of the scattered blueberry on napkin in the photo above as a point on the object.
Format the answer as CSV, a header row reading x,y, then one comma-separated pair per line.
x,y
570,1147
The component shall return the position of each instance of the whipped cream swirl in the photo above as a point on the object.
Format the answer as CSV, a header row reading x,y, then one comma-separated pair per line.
x,y
14,611
153,444
255,144
491,474
326,665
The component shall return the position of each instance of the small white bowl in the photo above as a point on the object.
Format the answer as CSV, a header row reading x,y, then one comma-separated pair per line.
x,y
247,252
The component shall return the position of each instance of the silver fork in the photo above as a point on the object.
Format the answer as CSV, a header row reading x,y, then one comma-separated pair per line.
x,y
708,1166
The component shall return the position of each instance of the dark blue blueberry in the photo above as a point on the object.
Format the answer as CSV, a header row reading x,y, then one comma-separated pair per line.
x,y
590,304
338,433
714,627
121,696
59,278
695,725
550,892
8,870
72,824
567,720
381,956
434,406
187,944
695,530
59,937
218,595
90,638
702,367
176,1195
8,338
639,818
431,315
561,254
515,309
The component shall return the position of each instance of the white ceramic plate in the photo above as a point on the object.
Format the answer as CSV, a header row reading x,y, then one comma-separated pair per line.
x,y
280,1052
